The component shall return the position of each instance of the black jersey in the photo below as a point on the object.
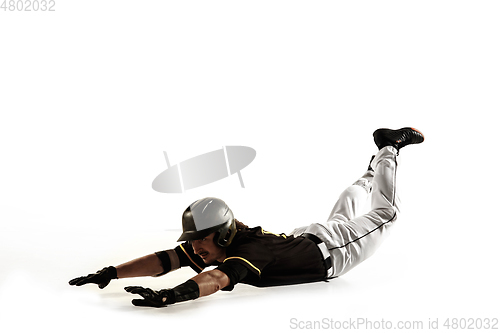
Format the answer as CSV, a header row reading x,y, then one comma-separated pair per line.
x,y
262,259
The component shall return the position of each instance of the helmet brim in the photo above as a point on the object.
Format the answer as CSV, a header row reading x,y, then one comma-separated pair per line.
x,y
194,235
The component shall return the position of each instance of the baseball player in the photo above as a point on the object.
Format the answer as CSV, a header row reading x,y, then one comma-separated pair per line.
x,y
319,251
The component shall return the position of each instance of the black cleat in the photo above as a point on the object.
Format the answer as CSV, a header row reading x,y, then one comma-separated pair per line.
x,y
397,138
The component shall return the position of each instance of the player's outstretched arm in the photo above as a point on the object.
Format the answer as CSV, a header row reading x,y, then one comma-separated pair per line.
x,y
149,265
203,284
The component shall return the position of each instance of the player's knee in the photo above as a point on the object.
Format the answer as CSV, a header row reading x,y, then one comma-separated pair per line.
x,y
389,214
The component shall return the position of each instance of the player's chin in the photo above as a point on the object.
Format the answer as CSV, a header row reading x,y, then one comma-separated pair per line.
x,y
208,260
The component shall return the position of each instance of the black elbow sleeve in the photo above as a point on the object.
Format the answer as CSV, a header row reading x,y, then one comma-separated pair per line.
x,y
165,262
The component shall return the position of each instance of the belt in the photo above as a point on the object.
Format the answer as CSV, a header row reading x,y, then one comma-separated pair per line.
x,y
324,252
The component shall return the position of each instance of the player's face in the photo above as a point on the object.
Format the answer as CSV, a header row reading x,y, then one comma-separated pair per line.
x,y
208,250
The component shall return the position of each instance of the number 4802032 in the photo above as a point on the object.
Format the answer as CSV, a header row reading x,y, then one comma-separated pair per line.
x,y
28,5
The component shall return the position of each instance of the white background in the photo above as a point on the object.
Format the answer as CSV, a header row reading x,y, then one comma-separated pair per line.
x,y
93,93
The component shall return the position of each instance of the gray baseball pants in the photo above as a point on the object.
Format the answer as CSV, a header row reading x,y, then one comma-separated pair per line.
x,y
350,235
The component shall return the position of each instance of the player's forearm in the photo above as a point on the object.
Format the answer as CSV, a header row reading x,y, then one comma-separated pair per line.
x,y
203,284
149,265
211,282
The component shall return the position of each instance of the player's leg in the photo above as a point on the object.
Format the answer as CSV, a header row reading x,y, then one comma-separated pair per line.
x,y
353,241
363,235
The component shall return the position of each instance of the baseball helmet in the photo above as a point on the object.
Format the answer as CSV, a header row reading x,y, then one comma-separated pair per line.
x,y
205,216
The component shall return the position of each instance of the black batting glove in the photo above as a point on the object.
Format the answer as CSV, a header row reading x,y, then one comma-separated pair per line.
x,y
152,298
101,278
